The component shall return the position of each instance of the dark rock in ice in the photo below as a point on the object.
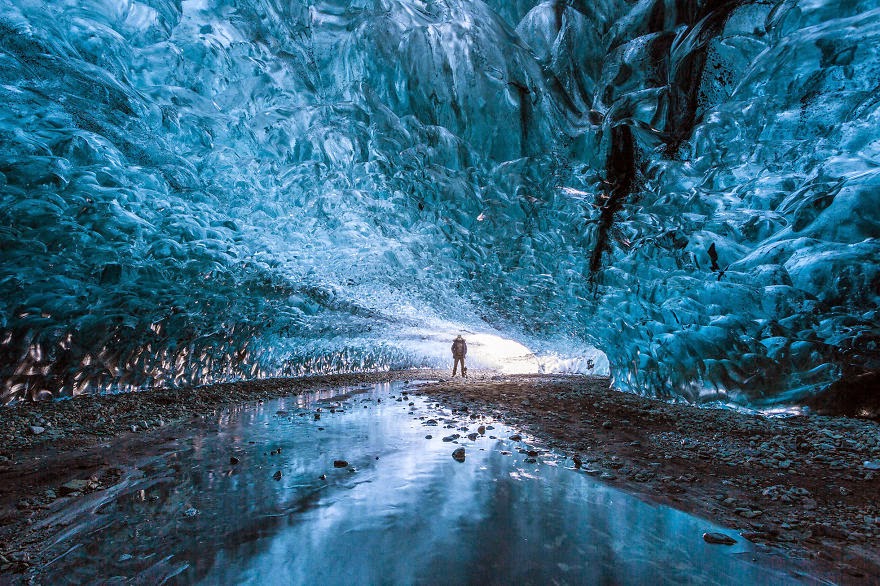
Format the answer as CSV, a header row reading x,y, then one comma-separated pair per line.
x,y
233,460
340,463
516,437
452,437
481,430
473,436
718,538
458,455
277,475
429,436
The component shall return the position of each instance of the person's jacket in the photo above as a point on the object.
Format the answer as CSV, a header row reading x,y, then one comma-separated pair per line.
x,y
459,348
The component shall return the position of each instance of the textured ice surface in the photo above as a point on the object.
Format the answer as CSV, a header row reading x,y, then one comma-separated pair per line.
x,y
204,190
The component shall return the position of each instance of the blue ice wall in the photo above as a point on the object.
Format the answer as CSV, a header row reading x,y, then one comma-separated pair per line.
x,y
207,190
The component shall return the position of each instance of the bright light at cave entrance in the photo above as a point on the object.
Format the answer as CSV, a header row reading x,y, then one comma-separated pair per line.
x,y
497,353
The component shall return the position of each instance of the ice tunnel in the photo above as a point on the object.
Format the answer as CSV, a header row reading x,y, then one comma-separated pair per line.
x,y
205,190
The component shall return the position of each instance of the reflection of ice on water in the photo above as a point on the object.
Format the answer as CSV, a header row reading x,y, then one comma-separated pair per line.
x,y
409,514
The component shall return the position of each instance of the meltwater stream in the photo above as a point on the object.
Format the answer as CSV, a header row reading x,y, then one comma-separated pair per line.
x,y
402,511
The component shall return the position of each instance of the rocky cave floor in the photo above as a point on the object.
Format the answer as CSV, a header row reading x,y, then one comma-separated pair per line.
x,y
805,486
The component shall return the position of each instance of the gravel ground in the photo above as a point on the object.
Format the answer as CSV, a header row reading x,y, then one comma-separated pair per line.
x,y
805,486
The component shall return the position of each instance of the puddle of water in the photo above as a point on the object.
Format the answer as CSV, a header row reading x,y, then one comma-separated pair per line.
x,y
402,511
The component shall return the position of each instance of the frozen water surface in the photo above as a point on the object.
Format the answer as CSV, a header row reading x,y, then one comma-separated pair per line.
x,y
681,192
402,511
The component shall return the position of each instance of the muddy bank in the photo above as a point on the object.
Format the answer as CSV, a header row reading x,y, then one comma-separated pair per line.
x,y
808,485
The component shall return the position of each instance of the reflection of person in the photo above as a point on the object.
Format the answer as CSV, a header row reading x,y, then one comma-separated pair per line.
x,y
459,351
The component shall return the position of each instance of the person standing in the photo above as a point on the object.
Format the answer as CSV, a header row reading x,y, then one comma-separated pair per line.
x,y
459,351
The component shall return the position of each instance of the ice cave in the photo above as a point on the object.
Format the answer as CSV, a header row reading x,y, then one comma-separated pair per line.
x,y
680,198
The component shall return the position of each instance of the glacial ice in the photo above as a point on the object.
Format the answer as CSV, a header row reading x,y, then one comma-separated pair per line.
x,y
204,190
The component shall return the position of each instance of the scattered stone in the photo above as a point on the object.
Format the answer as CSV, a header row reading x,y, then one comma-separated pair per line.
x,y
233,460
481,430
516,437
607,425
323,477
748,513
458,455
37,430
718,538
429,436
125,557
530,460
452,437
607,476
577,461
340,464
73,486
191,512
473,437
277,475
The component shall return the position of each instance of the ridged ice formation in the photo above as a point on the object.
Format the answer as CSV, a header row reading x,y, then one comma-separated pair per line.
x,y
203,190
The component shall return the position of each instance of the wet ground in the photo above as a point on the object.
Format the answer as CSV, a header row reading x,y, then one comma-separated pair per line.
x,y
323,488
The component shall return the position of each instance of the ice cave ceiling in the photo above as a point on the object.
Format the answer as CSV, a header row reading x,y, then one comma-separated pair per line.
x,y
203,190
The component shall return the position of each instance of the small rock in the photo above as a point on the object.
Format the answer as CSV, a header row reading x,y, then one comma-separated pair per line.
x,y
233,460
530,460
473,437
277,475
718,538
607,425
73,486
481,430
607,476
125,557
191,512
323,477
452,437
577,461
458,455
748,513
516,437
340,464
429,436
872,465
37,430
